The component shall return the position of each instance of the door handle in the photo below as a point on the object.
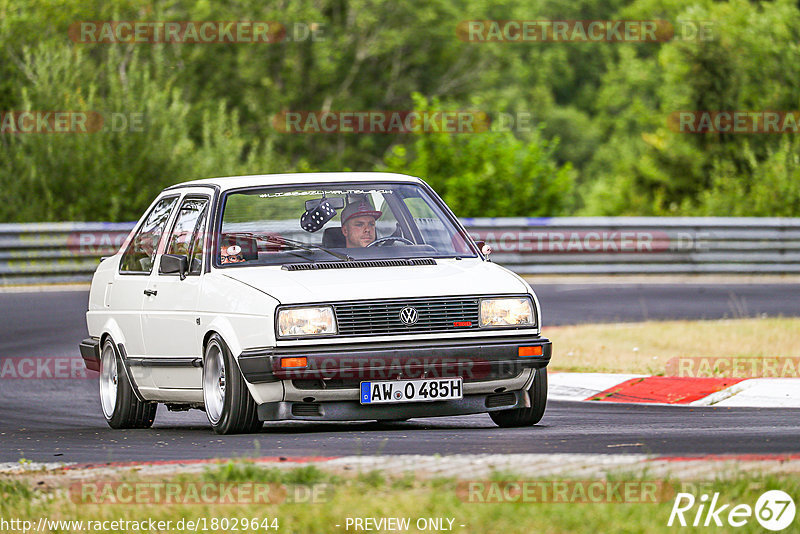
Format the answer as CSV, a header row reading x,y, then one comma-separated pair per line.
x,y
150,292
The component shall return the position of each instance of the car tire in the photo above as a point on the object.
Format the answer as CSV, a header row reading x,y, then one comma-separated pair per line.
x,y
229,407
120,406
526,416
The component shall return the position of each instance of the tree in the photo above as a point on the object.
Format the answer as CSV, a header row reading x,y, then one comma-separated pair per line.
x,y
487,174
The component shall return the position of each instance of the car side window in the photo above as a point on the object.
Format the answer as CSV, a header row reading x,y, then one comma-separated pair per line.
x,y
187,234
138,257
196,259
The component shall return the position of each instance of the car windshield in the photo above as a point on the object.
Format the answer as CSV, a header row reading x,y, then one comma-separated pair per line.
x,y
336,222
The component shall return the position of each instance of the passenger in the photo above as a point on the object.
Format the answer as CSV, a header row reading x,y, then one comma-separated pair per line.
x,y
231,254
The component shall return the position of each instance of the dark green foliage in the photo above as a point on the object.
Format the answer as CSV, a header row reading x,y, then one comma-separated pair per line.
x,y
599,142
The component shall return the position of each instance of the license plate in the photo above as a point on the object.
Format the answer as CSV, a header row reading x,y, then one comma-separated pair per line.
x,y
411,390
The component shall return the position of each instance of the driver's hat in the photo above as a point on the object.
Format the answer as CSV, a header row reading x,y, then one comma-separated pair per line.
x,y
359,209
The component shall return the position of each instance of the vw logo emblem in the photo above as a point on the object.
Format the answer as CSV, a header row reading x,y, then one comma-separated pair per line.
x,y
409,315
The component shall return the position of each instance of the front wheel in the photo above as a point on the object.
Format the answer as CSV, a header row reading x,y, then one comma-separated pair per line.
x,y
229,407
121,408
526,416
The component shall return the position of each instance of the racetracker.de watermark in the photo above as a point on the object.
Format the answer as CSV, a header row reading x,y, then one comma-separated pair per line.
x,y
735,122
69,122
194,31
591,241
582,31
94,243
385,367
734,367
572,491
401,122
38,368
201,493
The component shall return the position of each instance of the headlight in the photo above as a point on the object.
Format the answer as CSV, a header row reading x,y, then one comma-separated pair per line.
x,y
306,321
506,312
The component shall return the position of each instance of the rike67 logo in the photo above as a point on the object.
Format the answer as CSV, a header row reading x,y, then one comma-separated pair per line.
x,y
774,510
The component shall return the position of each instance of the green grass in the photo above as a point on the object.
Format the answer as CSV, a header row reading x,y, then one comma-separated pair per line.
x,y
13,491
244,471
376,494
647,347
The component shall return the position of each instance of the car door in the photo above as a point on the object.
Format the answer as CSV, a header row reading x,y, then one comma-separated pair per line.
x,y
125,295
172,336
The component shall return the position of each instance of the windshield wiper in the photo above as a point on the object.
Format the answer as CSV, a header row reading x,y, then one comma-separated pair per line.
x,y
309,248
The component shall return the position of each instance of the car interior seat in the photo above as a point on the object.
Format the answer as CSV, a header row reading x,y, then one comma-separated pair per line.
x,y
333,238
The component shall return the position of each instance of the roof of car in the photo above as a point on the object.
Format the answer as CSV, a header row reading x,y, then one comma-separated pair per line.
x,y
236,182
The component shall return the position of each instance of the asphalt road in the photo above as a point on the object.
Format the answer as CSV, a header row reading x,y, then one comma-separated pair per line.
x,y
60,420
73,430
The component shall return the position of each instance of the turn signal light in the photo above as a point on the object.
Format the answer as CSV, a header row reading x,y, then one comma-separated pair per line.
x,y
529,351
294,362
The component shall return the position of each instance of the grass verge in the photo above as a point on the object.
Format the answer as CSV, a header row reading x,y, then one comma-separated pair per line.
x,y
375,495
646,347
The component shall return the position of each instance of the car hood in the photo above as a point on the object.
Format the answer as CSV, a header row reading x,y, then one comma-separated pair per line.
x,y
447,277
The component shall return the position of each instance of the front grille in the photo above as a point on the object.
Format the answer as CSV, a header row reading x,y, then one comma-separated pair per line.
x,y
383,316
306,409
501,399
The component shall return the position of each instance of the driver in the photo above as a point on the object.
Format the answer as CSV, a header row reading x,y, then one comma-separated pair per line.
x,y
358,224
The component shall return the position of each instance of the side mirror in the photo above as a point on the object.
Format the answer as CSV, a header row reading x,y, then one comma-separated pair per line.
x,y
484,248
174,263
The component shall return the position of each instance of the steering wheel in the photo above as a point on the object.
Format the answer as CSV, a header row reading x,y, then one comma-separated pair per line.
x,y
379,242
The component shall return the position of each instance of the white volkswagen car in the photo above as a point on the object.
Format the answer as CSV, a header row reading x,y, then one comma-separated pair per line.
x,y
329,296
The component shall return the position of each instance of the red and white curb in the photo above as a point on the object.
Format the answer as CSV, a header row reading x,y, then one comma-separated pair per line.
x,y
644,389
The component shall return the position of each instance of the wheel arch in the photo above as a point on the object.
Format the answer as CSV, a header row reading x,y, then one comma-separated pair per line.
x,y
206,337
223,327
113,330
225,331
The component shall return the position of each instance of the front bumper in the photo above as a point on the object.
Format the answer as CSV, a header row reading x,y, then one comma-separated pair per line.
x,y
354,411
473,359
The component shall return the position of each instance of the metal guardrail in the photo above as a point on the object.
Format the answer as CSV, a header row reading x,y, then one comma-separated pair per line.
x,y
69,252
33,253
642,245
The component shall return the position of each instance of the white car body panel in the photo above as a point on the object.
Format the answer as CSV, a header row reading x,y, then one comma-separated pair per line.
x,y
449,277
